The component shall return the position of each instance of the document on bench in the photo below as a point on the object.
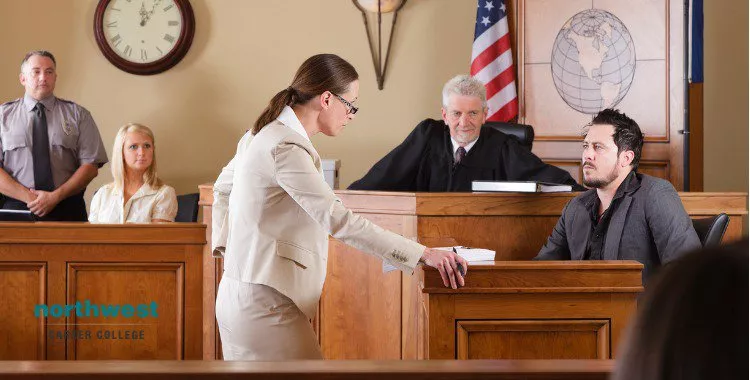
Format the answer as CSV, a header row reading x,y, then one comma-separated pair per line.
x,y
471,255
520,186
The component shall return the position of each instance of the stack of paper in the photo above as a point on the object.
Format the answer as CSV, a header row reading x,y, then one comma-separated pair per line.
x,y
473,254
470,254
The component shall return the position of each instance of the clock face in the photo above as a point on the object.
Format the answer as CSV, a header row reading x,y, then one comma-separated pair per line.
x,y
142,31
144,36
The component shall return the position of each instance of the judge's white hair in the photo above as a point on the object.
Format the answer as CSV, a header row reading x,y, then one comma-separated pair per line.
x,y
464,85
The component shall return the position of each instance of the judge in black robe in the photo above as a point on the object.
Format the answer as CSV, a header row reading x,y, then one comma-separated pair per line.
x,y
425,162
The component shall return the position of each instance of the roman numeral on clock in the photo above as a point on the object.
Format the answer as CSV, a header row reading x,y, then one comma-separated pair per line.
x,y
115,40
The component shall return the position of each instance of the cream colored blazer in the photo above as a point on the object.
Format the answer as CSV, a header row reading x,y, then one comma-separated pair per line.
x,y
280,213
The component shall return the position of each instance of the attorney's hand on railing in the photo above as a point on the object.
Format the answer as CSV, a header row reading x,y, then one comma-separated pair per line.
x,y
451,266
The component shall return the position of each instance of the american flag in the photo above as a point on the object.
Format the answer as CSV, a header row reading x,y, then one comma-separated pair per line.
x,y
492,60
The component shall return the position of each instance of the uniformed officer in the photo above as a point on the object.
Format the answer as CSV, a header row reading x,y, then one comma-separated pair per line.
x,y
51,148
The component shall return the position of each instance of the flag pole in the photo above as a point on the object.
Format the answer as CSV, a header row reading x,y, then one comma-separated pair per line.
x,y
686,102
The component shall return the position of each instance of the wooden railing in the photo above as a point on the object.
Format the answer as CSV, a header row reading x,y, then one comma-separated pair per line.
x,y
309,370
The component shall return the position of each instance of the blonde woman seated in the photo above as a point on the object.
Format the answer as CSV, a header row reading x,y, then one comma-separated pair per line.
x,y
136,195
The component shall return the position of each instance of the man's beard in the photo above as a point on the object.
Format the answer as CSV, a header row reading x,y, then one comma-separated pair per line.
x,y
598,183
465,137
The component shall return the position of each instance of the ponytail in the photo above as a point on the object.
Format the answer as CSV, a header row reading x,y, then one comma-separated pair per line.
x,y
318,74
285,97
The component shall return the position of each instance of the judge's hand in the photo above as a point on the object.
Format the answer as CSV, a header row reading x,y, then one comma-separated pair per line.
x,y
445,262
44,203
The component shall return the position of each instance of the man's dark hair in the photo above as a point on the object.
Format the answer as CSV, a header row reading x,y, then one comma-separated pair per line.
x,y
627,136
42,53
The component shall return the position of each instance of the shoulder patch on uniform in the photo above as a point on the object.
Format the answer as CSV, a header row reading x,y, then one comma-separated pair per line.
x,y
66,101
10,102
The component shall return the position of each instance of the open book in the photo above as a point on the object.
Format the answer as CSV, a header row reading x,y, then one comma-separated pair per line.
x,y
519,186
471,255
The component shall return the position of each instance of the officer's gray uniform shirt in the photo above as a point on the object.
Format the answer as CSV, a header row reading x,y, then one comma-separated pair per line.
x,y
73,137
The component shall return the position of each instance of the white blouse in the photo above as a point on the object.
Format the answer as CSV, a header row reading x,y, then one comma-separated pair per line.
x,y
146,204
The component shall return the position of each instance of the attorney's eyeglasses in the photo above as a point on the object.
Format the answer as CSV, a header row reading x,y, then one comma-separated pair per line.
x,y
352,109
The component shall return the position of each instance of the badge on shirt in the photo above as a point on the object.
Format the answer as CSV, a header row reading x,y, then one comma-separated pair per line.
x,y
67,127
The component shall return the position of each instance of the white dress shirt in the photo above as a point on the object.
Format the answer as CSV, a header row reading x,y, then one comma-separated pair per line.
x,y
467,147
289,118
146,204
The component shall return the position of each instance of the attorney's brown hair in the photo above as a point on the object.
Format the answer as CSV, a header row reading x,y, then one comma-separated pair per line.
x,y
319,73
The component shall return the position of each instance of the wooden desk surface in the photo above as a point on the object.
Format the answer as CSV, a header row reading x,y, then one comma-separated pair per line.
x,y
510,204
329,370
87,233
543,277
462,204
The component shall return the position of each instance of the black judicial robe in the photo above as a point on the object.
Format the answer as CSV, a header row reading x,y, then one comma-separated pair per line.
x,y
424,162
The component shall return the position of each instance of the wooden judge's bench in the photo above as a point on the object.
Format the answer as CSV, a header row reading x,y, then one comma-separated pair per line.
x,y
511,308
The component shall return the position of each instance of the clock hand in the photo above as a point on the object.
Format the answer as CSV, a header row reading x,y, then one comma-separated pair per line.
x,y
143,14
151,13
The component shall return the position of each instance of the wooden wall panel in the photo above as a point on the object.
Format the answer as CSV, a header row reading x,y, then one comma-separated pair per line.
x,y
531,339
522,309
659,169
57,264
345,324
448,310
511,237
656,31
129,283
571,166
414,314
357,289
213,267
22,287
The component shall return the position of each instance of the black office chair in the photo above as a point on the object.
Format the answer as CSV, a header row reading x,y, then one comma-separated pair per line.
x,y
522,132
187,208
711,230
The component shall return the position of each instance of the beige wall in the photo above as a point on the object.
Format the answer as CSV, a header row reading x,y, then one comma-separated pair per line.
x,y
243,53
726,95
246,50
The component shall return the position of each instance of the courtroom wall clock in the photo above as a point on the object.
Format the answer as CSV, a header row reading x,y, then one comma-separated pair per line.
x,y
144,37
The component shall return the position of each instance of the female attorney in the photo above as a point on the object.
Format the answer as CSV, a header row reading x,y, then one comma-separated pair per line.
x,y
281,212
136,195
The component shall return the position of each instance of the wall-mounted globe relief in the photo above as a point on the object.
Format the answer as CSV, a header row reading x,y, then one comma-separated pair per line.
x,y
593,61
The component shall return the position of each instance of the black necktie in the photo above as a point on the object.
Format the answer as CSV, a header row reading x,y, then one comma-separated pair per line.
x,y
40,151
460,154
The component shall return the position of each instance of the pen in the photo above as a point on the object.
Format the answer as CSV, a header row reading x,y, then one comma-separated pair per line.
x,y
458,265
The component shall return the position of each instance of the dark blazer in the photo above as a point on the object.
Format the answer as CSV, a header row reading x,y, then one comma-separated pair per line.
x,y
650,226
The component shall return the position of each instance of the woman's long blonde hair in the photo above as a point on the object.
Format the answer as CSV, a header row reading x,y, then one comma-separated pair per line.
x,y
118,160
